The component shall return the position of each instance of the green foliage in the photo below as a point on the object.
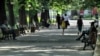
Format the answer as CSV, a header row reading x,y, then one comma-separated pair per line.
x,y
58,5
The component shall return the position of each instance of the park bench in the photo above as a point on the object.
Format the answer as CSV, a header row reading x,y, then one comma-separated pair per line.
x,y
90,40
5,34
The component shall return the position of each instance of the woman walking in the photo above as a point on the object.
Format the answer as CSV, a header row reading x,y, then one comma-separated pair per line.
x,y
58,19
63,25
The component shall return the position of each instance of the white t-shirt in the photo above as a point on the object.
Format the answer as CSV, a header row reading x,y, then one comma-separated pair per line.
x,y
66,18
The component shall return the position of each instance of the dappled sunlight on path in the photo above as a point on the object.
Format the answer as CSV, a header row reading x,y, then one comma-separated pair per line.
x,y
46,42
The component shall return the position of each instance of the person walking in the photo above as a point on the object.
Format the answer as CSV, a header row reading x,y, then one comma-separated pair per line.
x,y
95,12
66,19
79,24
63,25
36,21
58,19
87,32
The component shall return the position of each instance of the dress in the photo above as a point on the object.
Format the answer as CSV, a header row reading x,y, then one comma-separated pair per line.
x,y
63,25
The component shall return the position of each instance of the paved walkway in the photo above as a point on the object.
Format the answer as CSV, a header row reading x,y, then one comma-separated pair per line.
x,y
46,42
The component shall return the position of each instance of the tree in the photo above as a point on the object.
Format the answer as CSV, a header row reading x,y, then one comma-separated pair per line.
x,y
11,12
2,12
22,12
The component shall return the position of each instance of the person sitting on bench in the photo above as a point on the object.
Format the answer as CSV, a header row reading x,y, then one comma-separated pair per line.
x,y
91,29
8,30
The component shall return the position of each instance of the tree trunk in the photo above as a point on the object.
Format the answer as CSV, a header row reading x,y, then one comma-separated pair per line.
x,y
31,16
22,14
2,12
46,9
47,14
11,13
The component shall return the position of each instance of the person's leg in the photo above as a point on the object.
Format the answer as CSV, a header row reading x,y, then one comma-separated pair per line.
x,y
83,33
37,26
63,31
58,25
78,30
66,24
96,16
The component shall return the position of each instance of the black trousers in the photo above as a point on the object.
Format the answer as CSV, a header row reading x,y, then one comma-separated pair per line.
x,y
83,34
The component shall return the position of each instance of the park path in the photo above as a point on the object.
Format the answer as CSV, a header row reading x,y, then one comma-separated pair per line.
x,y
46,42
